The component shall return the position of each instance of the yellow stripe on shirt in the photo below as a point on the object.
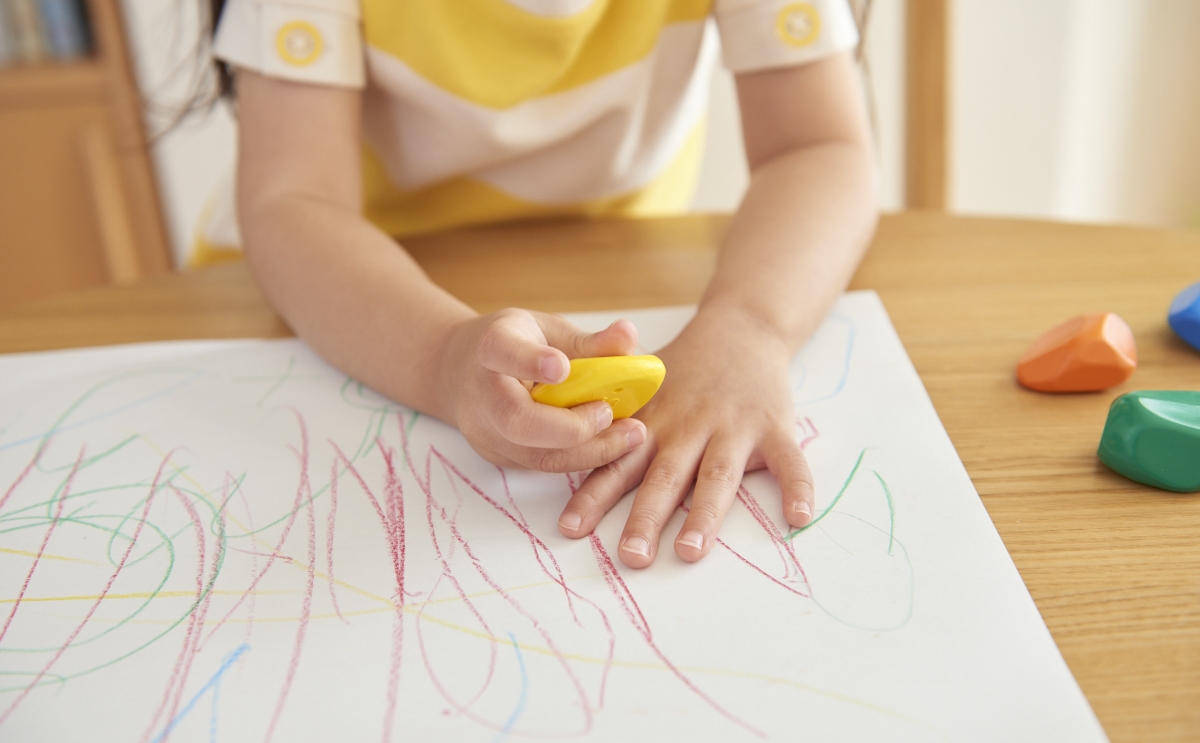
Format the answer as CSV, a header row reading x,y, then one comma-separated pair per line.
x,y
465,201
504,55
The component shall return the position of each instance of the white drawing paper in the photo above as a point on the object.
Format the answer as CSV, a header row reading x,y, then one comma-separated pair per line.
x,y
231,541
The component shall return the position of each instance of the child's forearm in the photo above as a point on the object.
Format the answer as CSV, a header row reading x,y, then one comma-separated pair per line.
x,y
797,238
354,295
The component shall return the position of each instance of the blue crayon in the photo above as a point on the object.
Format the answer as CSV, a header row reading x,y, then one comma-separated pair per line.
x,y
1184,316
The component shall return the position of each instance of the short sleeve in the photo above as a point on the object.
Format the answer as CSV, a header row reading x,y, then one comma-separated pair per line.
x,y
760,34
312,41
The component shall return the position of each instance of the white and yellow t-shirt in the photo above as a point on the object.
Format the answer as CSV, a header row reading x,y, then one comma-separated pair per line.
x,y
490,110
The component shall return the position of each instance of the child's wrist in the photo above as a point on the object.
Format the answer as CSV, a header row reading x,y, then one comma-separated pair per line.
x,y
446,372
745,322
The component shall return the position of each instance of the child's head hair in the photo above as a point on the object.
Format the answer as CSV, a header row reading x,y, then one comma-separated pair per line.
x,y
189,80
224,74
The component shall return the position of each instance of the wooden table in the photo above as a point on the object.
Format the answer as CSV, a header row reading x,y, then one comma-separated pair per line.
x,y
1113,566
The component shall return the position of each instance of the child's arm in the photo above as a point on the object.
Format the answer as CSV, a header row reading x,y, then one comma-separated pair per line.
x,y
726,404
365,305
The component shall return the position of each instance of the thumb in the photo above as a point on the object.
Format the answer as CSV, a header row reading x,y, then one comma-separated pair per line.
x,y
514,345
618,339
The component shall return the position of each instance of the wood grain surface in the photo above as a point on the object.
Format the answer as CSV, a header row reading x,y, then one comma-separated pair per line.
x,y
1113,566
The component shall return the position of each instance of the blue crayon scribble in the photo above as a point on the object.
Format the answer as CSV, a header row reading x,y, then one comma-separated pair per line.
x,y
57,429
521,700
214,684
845,373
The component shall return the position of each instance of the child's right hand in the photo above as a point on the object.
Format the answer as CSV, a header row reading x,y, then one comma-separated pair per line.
x,y
486,369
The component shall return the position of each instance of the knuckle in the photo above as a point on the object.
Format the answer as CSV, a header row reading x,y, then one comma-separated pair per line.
x,y
706,512
550,460
798,479
491,341
666,478
513,419
589,498
578,344
721,473
646,522
612,471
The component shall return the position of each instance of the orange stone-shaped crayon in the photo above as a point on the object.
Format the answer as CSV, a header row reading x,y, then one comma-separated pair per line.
x,y
1084,354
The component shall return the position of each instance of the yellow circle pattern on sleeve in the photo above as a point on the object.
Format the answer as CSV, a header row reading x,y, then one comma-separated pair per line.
x,y
798,24
299,43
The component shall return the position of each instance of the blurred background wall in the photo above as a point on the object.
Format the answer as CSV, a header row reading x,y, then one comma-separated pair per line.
x,y
1061,109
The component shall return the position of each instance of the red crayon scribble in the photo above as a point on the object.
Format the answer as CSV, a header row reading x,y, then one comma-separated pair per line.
x,y
432,507
538,626
633,612
37,455
329,530
253,565
448,573
141,522
303,495
58,509
183,662
392,519
808,431
275,552
538,547
784,548
750,563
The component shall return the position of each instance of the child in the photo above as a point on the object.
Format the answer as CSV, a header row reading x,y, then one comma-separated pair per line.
x,y
485,110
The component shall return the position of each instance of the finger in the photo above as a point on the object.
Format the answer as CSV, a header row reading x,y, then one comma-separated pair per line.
x,y
717,482
602,489
616,442
787,462
666,482
521,421
618,339
515,346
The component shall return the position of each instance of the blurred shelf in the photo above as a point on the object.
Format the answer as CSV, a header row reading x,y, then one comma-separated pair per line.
x,y
79,204
51,82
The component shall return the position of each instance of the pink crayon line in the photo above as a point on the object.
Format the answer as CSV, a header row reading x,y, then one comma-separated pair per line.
x,y
784,548
809,429
535,543
303,494
538,546
448,573
253,564
58,509
483,573
634,613
392,520
329,531
183,662
275,552
99,599
683,507
37,455
541,630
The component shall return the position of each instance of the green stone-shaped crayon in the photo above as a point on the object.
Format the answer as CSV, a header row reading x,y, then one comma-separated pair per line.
x,y
1153,436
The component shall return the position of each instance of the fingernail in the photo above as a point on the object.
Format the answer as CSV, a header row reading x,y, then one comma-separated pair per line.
x,y
570,521
636,545
693,539
605,418
553,368
803,509
636,436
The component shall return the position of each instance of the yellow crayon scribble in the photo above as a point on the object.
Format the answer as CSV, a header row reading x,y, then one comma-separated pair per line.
x,y
64,558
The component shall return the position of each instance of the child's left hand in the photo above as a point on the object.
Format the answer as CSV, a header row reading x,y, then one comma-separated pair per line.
x,y
725,408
